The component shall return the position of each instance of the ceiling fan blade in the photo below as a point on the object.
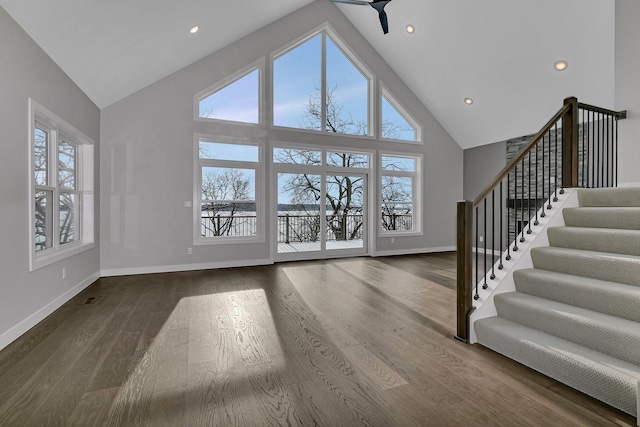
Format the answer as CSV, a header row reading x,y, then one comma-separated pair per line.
x,y
356,2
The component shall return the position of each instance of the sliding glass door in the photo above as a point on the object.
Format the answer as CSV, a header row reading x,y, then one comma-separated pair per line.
x,y
321,208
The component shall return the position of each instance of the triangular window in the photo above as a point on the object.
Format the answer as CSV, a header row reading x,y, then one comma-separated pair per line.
x,y
238,101
396,124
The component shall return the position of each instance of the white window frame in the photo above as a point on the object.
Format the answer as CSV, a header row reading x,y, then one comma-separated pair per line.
x,y
59,130
258,167
257,65
384,92
327,31
417,193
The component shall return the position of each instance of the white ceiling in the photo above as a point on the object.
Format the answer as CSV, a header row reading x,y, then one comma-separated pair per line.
x,y
498,52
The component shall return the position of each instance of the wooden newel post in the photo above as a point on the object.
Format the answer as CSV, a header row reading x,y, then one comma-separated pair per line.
x,y
464,267
570,144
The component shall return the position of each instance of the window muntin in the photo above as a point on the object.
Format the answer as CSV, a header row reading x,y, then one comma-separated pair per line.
x,y
399,209
239,101
61,195
305,96
228,208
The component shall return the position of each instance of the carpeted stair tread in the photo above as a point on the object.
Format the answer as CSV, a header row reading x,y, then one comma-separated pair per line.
x,y
627,218
623,196
612,335
599,375
596,265
596,239
611,298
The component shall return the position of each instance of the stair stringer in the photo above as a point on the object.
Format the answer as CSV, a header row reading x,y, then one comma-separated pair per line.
x,y
503,282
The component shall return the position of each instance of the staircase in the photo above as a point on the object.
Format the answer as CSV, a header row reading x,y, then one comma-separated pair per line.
x,y
575,316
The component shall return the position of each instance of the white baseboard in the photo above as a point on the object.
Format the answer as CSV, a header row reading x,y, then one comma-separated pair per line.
x,y
413,251
16,331
183,267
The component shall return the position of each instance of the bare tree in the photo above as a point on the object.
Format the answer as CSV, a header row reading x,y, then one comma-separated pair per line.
x,y
223,194
345,194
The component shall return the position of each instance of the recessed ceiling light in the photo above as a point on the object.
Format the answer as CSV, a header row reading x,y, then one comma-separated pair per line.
x,y
560,65
468,101
194,29
410,29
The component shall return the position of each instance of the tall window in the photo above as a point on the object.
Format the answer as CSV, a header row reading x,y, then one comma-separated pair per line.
x,y
62,188
307,96
399,182
228,207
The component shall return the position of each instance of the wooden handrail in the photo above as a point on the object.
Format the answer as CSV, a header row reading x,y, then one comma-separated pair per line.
x,y
521,155
617,114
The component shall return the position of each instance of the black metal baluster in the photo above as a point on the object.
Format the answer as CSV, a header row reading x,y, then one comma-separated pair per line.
x,y
542,214
593,150
615,175
515,208
501,266
529,192
508,257
562,161
606,152
611,137
536,222
555,180
581,144
523,226
598,171
549,181
477,295
485,285
493,232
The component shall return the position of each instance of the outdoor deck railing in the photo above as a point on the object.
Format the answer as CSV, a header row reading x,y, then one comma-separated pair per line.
x,y
301,228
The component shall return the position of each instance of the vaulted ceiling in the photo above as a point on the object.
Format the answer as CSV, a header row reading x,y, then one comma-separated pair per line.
x,y
500,53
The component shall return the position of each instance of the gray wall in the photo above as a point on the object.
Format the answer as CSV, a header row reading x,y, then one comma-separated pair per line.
x,y
481,165
627,84
26,71
147,156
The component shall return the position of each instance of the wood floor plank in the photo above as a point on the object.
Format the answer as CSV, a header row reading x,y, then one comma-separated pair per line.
x,y
271,396
92,408
345,342
380,373
75,381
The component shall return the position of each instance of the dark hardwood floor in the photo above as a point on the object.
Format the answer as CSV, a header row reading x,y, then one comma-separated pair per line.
x,y
346,342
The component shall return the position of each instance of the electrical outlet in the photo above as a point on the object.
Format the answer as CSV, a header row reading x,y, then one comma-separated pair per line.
x,y
189,251
393,240
481,239
64,273
187,204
